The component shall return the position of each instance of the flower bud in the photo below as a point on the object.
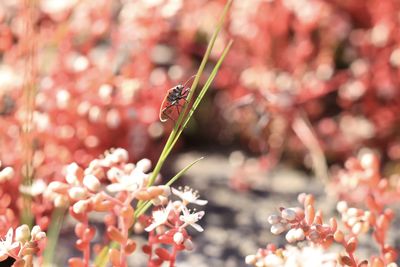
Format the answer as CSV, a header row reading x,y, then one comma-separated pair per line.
x,y
251,259
274,219
57,187
37,233
80,206
178,238
352,212
356,228
130,246
288,214
299,234
277,228
114,255
91,182
114,173
341,206
77,193
290,236
61,201
22,233
120,155
166,190
188,244
114,234
273,260
351,245
309,214
143,165
338,236
6,174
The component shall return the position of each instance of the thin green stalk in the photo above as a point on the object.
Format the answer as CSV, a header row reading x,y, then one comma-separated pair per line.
x,y
54,231
201,94
178,125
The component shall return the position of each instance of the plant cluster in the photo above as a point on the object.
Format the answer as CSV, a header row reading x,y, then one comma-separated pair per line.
x,y
364,210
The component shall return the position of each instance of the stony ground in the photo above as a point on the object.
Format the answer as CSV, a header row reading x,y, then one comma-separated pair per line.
x,y
235,222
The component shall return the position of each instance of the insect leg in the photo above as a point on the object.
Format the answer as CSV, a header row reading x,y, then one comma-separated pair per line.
x,y
163,112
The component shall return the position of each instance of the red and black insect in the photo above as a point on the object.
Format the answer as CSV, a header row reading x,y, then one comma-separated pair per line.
x,y
173,99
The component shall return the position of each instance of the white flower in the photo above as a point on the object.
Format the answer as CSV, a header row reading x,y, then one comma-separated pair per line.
x,y
37,188
6,174
132,183
160,217
189,196
7,244
309,256
191,218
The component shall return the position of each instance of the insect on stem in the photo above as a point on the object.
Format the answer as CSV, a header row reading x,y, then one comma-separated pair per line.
x,y
173,99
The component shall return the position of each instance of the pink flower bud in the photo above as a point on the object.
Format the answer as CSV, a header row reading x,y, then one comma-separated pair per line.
x,y
188,244
299,234
288,214
277,228
274,219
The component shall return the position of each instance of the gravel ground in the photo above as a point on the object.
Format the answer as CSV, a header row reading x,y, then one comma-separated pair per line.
x,y
235,222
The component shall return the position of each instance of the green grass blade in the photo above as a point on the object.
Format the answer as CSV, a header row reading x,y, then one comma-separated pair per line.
x,y
201,94
102,259
52,237
177,128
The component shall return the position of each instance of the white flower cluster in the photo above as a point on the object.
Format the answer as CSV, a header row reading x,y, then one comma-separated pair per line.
x,y
293,257
281,223
177,215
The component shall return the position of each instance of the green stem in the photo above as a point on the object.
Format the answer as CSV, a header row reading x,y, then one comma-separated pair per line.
x,y
53,234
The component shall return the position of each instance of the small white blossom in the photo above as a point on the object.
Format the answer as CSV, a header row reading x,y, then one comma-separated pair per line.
x,y
91,182
160,217
37,188
6,174
131,183
7,244
188,195
191,218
